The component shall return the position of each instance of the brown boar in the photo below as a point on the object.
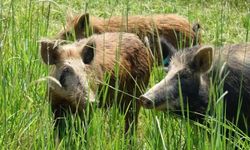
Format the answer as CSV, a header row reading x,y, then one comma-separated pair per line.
x,y
79,69
193,70
157,29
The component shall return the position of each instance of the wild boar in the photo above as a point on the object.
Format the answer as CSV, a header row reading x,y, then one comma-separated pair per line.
x,y
194,71
156,29
79,70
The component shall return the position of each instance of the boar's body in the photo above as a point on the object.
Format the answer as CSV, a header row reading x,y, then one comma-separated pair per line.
x,y
80,68
194,68
157,28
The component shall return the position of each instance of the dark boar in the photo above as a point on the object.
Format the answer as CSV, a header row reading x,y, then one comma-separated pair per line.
x,y
192,69
157,28
79,70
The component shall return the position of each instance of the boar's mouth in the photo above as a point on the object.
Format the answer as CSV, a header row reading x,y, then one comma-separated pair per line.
x,y
164,104
82,94
78,100
148,103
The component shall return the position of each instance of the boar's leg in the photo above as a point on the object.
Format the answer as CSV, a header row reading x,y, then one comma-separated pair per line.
x,y
130,108
131,116
61,113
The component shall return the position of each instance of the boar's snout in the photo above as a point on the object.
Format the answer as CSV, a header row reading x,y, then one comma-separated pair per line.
x,y
146,102
160,96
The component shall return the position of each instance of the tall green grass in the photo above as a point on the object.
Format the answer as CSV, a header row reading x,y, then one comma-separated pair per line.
x,y
26,118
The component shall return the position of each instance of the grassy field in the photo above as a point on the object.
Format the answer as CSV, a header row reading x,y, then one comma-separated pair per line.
x,y
26,118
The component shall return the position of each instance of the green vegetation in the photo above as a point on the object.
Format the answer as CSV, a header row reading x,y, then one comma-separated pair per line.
x,y
26,118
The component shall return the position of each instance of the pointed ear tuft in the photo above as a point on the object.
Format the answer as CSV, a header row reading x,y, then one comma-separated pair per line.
x,y
49,51
203,59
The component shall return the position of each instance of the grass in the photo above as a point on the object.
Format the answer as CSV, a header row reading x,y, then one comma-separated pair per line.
x,y
26,118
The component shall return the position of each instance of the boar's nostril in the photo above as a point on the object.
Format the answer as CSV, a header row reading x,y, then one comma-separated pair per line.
x,y
146,102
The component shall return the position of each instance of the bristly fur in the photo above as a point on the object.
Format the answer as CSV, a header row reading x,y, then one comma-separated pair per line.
x,y
235,61
184,56
124,50
195,70
170,27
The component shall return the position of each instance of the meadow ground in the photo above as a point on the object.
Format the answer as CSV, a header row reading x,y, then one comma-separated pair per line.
x,y
26,118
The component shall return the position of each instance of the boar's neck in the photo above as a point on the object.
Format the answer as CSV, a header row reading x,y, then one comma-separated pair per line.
x,y
97,24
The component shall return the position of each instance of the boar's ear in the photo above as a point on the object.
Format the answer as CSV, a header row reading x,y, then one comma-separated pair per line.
x,y
49,51
82,26
197,31
203,58
168,50
88,52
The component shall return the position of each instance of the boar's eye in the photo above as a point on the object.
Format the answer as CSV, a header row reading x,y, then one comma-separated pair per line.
x,y
63,76
88,54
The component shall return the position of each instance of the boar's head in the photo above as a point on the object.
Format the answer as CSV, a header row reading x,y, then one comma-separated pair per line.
x,y
185,84
70,70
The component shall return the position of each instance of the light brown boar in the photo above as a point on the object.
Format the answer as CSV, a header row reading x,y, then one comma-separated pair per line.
x,y
79,70
158,29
